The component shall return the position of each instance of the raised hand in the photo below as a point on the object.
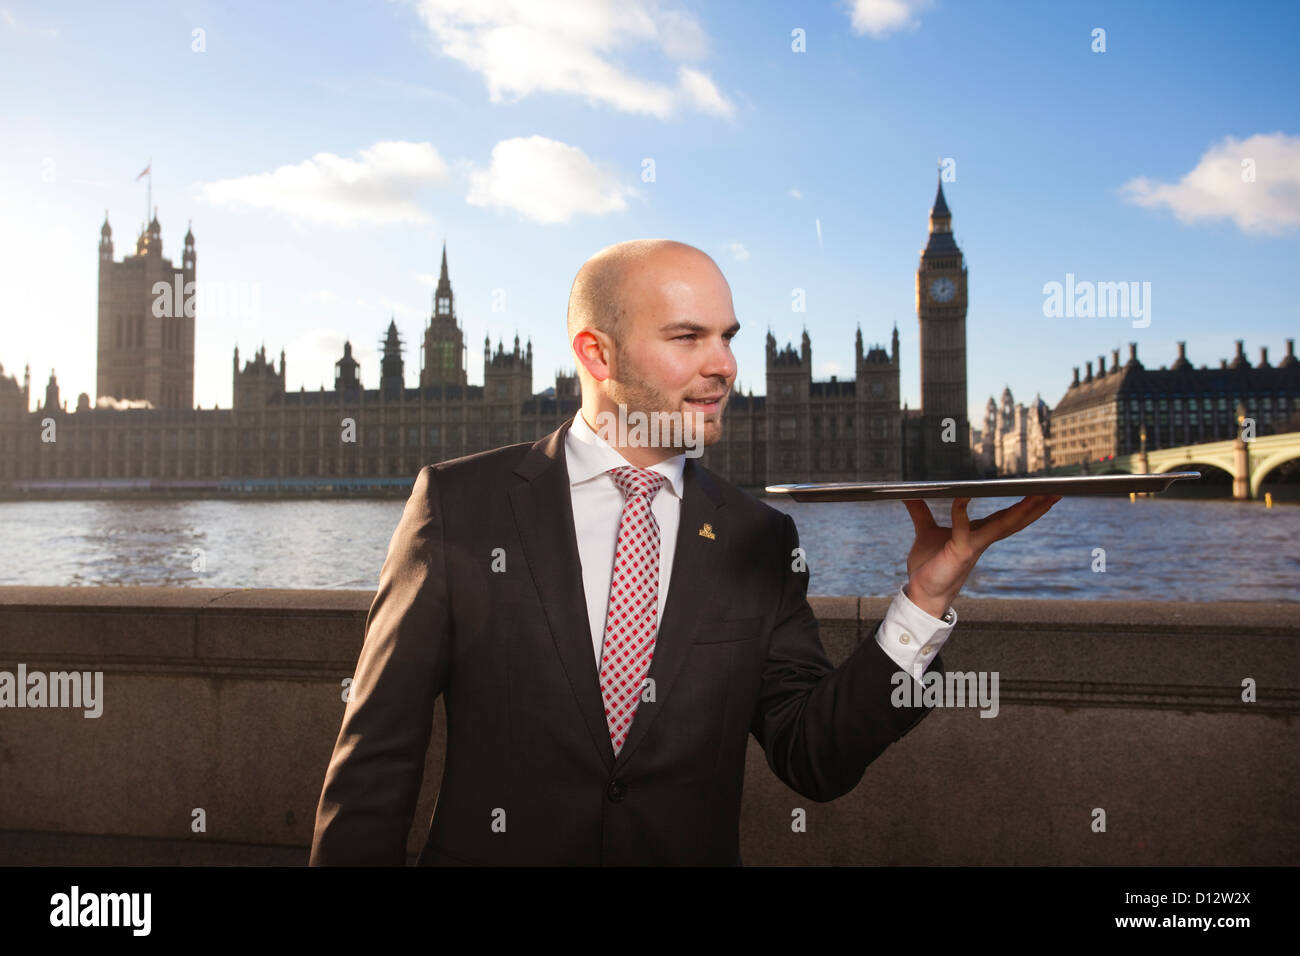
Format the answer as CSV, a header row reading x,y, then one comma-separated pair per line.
x,y
941,558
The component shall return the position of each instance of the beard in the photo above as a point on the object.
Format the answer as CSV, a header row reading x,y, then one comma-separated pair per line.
x,y
638,394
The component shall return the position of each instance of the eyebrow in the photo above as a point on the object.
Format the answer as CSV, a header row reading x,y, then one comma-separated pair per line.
x,y
688,326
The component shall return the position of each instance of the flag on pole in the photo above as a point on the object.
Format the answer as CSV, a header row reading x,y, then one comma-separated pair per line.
x,y
144,173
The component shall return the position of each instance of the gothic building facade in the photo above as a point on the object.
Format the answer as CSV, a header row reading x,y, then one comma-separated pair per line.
x,y
145,330
938,437
1015,440
802,429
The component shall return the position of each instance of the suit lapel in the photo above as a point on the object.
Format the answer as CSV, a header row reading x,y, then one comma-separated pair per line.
x,y
543,511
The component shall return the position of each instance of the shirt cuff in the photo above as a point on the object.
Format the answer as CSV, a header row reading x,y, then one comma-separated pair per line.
x,y
912,637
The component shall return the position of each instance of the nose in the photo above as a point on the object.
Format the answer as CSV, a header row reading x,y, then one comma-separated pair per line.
x,y
720,363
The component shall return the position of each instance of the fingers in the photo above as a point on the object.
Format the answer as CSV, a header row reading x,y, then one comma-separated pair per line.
x,y
993,527
960,522
1008,521
922,520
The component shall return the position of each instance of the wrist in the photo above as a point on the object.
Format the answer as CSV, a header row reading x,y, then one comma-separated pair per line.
x,y
936,607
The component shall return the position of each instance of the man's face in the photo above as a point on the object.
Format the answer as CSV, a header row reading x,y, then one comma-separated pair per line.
x,y
676,342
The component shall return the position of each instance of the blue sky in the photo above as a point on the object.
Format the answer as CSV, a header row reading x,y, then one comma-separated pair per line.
x,y
323,153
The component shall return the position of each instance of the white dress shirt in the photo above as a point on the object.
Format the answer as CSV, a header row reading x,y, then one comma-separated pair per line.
x,y
909,635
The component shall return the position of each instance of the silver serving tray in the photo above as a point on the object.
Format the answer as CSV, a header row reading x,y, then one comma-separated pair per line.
x,y
980,488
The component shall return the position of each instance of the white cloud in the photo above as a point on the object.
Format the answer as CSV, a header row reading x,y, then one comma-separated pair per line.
x,y
831,368
795,192
737,250
1216,189
882,17
521,47
702,93
425,278
380,186
546,181
681,35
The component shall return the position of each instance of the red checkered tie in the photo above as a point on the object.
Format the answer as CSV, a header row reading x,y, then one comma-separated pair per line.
x,y
633,612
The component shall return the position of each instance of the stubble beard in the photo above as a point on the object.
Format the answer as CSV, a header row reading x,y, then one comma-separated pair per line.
x,y
638,394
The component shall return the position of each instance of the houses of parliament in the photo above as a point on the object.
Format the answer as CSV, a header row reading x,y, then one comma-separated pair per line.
x,y
143,433
800,430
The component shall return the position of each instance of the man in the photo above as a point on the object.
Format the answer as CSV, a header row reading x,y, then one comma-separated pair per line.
x,y
609,621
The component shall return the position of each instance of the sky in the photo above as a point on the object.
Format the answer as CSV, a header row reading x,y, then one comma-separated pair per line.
x,y
323,153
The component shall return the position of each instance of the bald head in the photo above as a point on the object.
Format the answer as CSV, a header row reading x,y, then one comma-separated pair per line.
x,y
650,323
601,291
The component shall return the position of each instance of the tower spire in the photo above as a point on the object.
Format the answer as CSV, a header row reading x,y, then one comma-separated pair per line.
x,y
940,210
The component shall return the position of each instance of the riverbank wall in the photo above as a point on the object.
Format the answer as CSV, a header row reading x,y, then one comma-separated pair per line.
x,y
1126,733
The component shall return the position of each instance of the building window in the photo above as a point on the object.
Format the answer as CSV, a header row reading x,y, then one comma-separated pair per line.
x,y
877,388
787,390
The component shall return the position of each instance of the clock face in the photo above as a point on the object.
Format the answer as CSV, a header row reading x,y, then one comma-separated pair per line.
x,y
943,289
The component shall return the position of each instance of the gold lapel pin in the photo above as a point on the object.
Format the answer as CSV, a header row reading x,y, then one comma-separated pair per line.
x,y
707,531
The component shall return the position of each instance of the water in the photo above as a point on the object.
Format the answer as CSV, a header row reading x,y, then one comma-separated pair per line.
x,y
1161,549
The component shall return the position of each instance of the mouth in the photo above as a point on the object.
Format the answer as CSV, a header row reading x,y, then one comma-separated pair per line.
x,y
707,403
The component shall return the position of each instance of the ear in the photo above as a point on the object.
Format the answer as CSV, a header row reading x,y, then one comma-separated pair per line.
x,y
595,351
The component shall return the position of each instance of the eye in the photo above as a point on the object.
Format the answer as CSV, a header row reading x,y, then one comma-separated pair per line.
x,y
688,335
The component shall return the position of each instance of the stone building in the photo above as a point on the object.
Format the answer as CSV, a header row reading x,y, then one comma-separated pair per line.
x,y
146,322
1102,414
805,430
937,439
800,430
1015,439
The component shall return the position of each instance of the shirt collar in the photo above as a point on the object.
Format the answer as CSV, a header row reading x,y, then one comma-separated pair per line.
x,y
588,455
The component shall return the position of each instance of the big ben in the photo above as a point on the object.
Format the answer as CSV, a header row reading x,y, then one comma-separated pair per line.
x,y
941,310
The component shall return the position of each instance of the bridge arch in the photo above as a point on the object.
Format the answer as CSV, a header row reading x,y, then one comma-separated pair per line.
x,y
1219,462
1261,470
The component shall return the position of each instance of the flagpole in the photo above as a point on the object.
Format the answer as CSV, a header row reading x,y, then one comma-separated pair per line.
x,y
149,208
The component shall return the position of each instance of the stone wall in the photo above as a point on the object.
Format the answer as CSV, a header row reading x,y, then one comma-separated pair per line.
x,y
230,702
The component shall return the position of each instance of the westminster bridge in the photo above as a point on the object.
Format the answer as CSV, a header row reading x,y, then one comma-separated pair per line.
x,y
1248,462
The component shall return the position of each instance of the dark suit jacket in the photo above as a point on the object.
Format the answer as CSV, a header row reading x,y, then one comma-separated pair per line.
x,y
530,774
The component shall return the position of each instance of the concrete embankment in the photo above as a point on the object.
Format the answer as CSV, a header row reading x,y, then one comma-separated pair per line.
x,y
224,706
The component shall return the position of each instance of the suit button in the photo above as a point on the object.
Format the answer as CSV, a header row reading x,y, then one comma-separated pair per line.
x,y
616,790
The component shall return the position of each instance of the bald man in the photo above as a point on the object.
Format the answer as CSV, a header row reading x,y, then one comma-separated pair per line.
x,y
609,621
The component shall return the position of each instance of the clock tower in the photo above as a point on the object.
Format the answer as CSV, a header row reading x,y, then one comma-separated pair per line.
x,y
944,439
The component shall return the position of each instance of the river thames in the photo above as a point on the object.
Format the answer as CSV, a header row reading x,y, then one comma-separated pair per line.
x,y
1160,549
